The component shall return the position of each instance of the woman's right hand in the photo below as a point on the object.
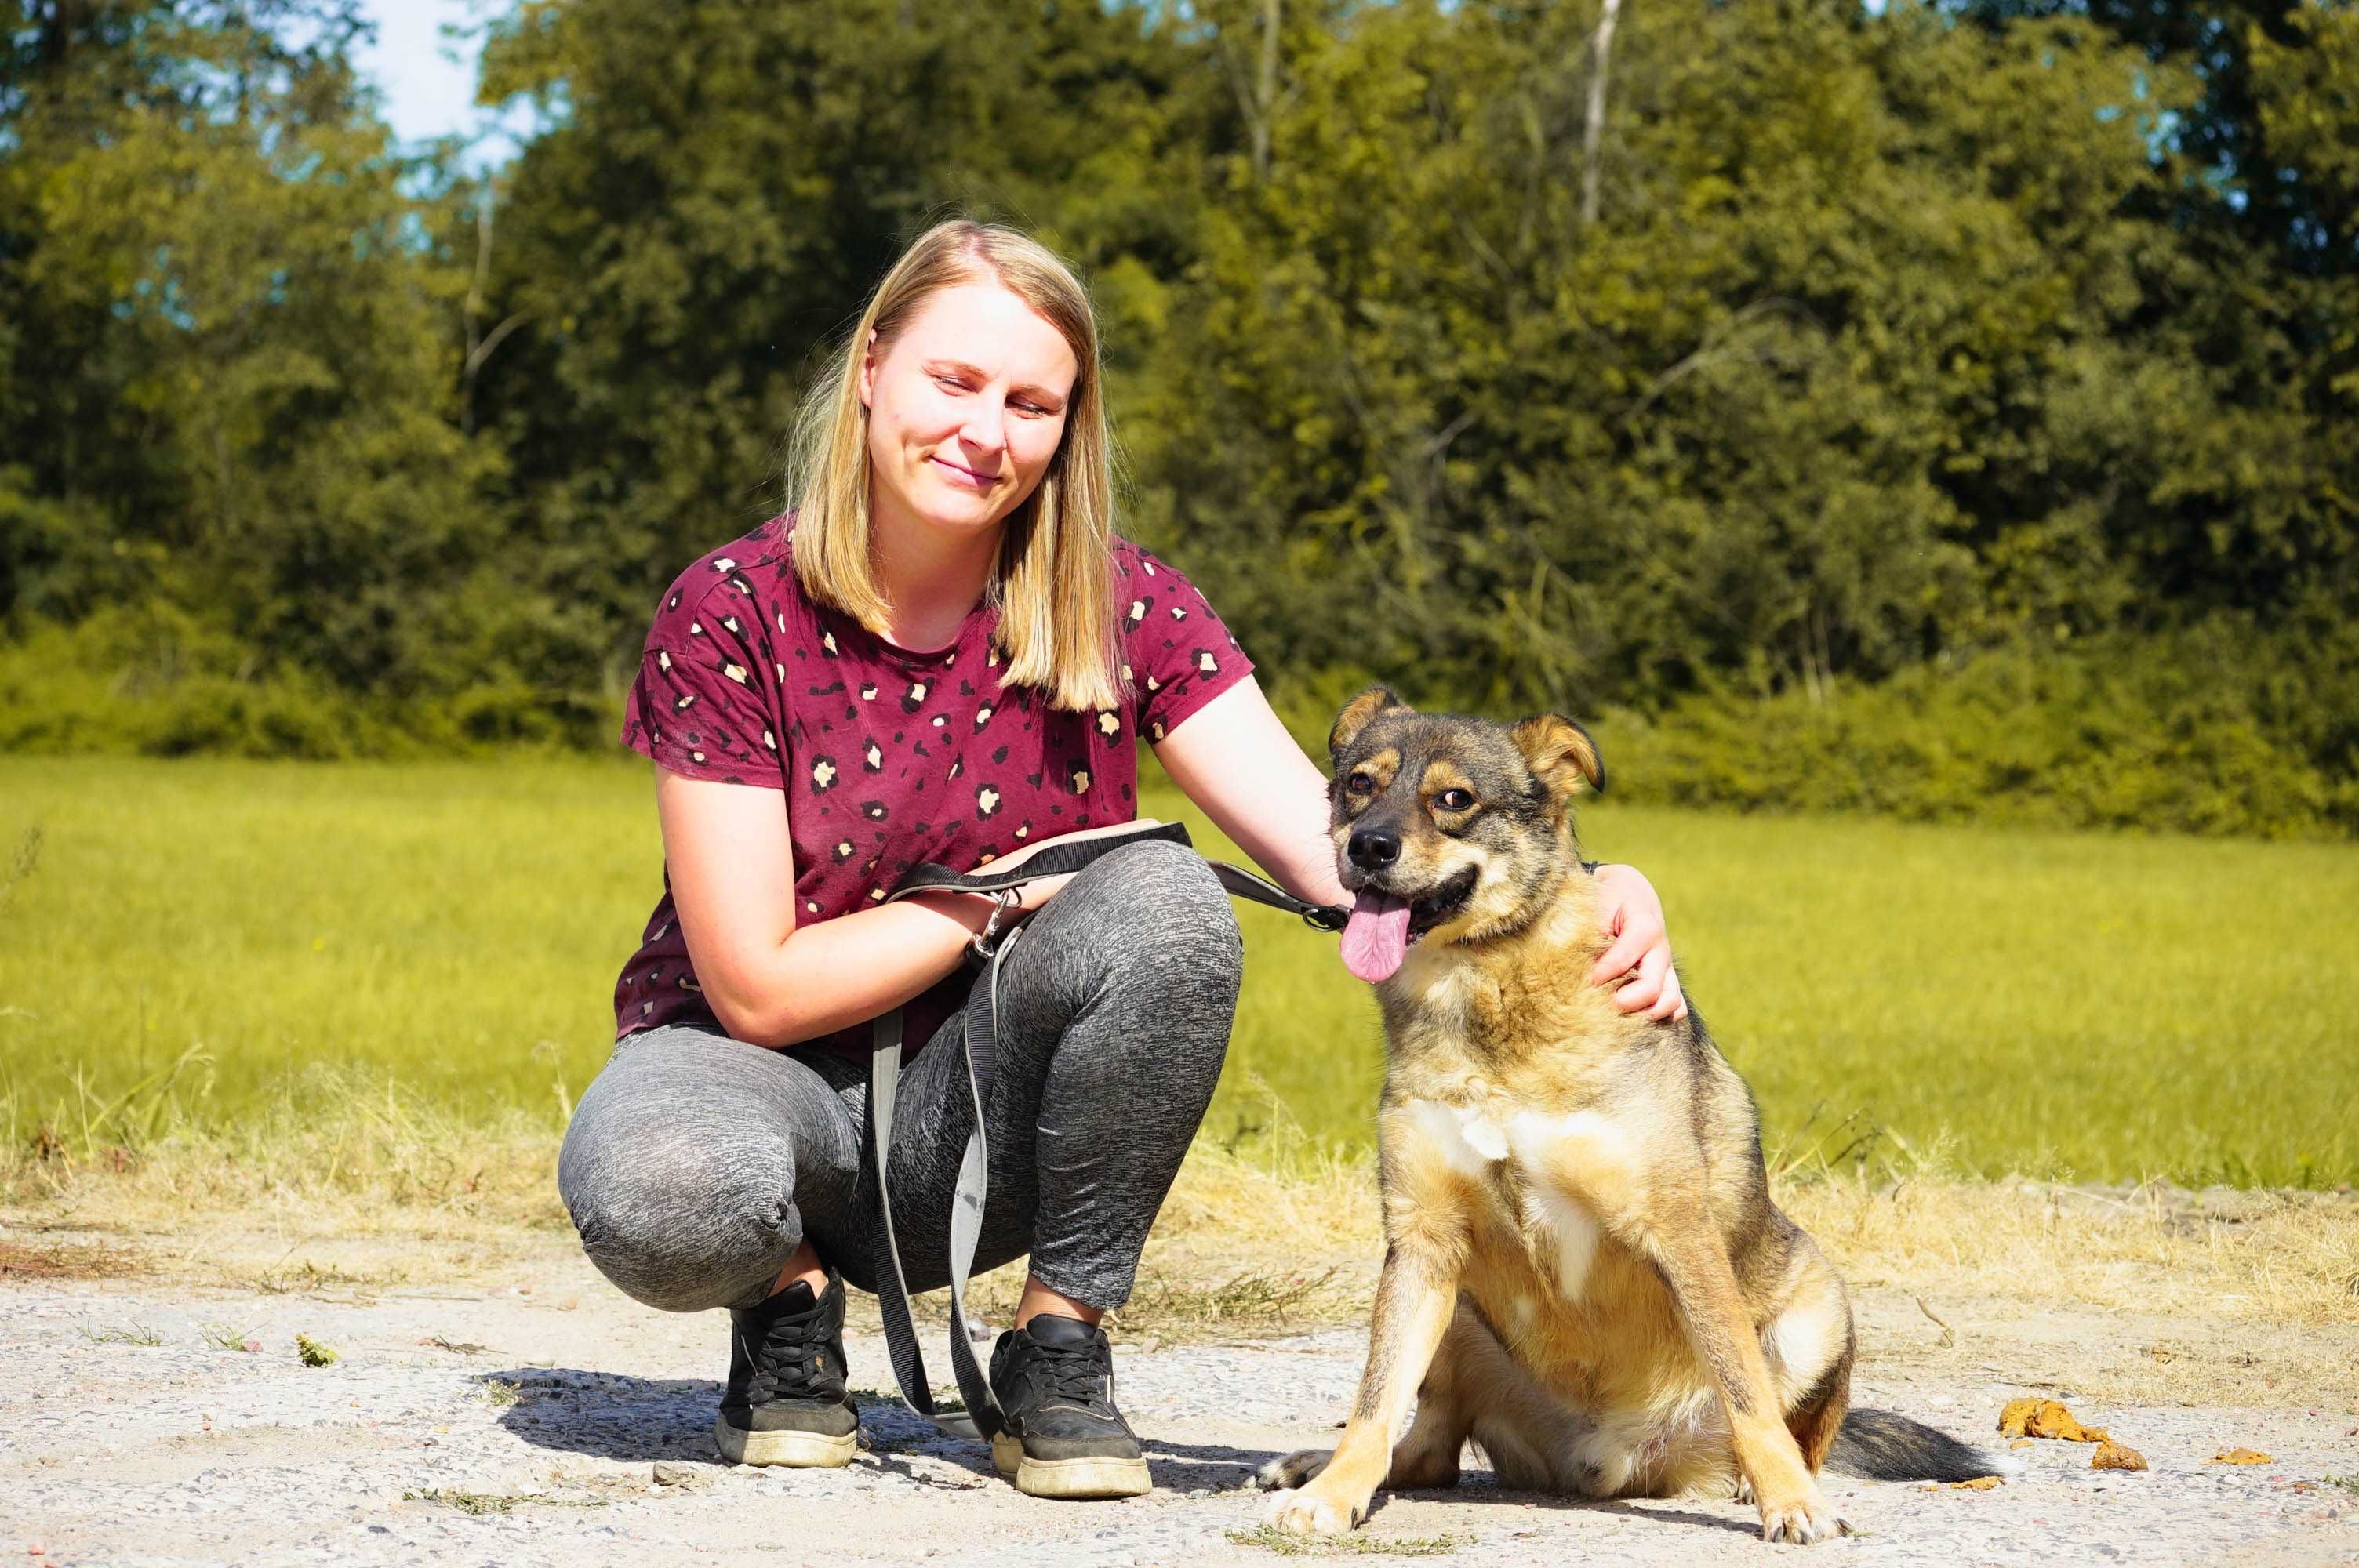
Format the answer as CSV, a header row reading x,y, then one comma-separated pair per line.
x,y
1037,893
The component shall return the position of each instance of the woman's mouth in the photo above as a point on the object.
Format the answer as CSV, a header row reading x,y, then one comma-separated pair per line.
x,y
960,474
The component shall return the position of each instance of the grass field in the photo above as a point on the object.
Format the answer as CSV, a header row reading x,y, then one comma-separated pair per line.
x,y
443,940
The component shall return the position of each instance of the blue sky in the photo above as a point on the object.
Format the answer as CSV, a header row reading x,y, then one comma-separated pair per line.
x,y
429,79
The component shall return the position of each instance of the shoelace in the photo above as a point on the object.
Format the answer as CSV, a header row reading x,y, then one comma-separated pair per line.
x,y
789,1356
1074,1373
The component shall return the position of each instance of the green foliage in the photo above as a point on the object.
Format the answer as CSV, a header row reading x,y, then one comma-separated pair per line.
x,y
2179,737
1853,372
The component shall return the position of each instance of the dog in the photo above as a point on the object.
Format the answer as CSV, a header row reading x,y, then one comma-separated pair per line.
x,y
1583,1272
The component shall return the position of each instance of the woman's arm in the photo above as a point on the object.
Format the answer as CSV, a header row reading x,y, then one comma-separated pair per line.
x,y
1236,762
769,982
731,865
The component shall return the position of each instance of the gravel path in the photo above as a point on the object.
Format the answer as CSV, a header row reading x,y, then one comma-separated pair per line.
x,y
560,1423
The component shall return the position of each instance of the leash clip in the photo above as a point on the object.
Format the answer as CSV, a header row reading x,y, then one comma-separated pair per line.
x,y
1326,917
1003,902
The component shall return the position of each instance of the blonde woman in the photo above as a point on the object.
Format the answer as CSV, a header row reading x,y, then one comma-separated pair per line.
x,y
942,655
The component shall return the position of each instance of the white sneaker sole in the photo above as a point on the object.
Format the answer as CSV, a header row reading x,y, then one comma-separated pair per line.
x,y
1068,1478
800,1449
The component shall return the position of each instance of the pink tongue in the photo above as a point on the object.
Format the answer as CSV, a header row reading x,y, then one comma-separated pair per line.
x,y
1375,939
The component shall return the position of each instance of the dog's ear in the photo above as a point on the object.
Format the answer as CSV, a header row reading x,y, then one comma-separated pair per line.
x,y
1561,754
1357,712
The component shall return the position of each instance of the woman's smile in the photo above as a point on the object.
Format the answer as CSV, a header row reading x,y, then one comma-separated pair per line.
x,y
959,473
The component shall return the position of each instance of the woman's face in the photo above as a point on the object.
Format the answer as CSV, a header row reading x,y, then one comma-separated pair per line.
x,y
965,408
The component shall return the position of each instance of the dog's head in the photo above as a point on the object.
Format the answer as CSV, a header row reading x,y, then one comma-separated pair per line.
x,y
1449,824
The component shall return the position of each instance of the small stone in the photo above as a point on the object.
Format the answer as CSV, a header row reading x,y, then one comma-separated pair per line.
x,y
2112,1456
672,1472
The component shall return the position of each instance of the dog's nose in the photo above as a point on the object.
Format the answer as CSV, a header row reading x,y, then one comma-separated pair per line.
x,y
1370,849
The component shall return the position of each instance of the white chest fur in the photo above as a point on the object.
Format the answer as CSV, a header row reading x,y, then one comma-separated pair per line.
x,y
1481,1143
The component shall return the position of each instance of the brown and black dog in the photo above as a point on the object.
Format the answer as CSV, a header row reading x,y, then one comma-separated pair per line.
x,y
1584,1271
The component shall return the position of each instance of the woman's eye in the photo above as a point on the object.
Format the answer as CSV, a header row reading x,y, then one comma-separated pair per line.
x,y
1360,784
1455,800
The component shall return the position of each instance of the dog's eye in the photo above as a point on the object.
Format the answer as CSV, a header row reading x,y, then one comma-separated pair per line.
x,y
1359,783
1455,800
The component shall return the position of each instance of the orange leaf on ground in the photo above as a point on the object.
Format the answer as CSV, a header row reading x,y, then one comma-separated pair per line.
x,y
2240,1457
2112,1456
1979,1484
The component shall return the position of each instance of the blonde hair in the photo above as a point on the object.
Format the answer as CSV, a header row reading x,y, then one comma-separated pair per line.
x,y
1053,579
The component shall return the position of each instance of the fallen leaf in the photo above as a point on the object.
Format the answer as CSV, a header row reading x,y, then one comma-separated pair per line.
x,y
2023,1443
1979,1484
2112,1456
312,1353
2046,1418
2240,1457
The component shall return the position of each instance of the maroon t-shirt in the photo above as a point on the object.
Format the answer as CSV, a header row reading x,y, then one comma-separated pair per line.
x,y
889,758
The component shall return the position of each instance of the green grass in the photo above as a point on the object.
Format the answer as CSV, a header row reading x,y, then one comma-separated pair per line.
x,y
196,941
1357,1543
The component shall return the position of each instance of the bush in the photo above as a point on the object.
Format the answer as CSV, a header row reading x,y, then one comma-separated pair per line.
x,y
2220,730
2174,734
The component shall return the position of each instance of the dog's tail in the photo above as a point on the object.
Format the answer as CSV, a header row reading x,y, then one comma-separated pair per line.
x,y
1884,1447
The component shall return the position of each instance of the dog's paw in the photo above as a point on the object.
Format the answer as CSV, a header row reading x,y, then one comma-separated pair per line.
x,y
1296,1469
1801,1520
1310,1512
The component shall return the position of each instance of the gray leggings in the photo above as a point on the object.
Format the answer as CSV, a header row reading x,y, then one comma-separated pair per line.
x,y
696,1163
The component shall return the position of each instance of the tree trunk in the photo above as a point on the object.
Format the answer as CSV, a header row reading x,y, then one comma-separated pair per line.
x,y
1593,133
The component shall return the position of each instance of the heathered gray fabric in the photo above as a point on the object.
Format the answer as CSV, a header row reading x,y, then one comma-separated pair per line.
x,y
695,1163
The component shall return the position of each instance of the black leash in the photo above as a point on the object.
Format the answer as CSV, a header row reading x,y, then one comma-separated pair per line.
x,y
982,1418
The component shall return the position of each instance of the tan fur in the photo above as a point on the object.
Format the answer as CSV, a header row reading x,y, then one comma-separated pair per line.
x,y
1584,1273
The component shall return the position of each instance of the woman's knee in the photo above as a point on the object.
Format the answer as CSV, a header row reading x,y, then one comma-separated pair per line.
x,y
1149,950
1157,906
676,1223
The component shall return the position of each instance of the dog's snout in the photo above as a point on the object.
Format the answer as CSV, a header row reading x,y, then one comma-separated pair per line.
x,y
1372,848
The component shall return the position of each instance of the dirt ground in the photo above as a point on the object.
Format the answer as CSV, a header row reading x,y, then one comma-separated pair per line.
x,y
494,1401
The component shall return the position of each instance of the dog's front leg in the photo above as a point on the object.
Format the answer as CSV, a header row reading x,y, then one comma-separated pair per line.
x,y
1416,1294
1680,1241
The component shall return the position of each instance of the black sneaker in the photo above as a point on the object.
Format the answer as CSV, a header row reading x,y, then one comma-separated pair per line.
x,y
1054,1377
786,1402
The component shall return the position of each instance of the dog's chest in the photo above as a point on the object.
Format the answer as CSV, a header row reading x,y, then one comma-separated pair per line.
x,y
1530,1171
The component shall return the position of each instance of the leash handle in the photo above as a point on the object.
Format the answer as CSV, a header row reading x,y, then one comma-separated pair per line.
x,y
983,1417
1062,860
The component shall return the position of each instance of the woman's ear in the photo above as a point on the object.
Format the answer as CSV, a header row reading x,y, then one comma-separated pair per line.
x,y
868,370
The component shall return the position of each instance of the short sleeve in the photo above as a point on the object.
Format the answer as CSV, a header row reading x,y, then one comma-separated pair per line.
x,y
706,704
1180,655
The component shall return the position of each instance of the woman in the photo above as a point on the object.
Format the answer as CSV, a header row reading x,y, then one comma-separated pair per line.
x,y
943,655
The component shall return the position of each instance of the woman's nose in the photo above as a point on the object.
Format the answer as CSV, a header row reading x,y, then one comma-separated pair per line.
x,y
986,425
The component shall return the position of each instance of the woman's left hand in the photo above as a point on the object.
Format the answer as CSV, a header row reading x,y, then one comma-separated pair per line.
x,y
1640,956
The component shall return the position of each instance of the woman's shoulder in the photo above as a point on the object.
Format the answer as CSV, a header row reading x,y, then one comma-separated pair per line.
x,y
1133,559
754,573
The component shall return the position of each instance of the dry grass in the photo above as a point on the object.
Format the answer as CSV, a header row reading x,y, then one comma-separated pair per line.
x,y
1239,1244
2286,1258
44,1259
2150,1292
